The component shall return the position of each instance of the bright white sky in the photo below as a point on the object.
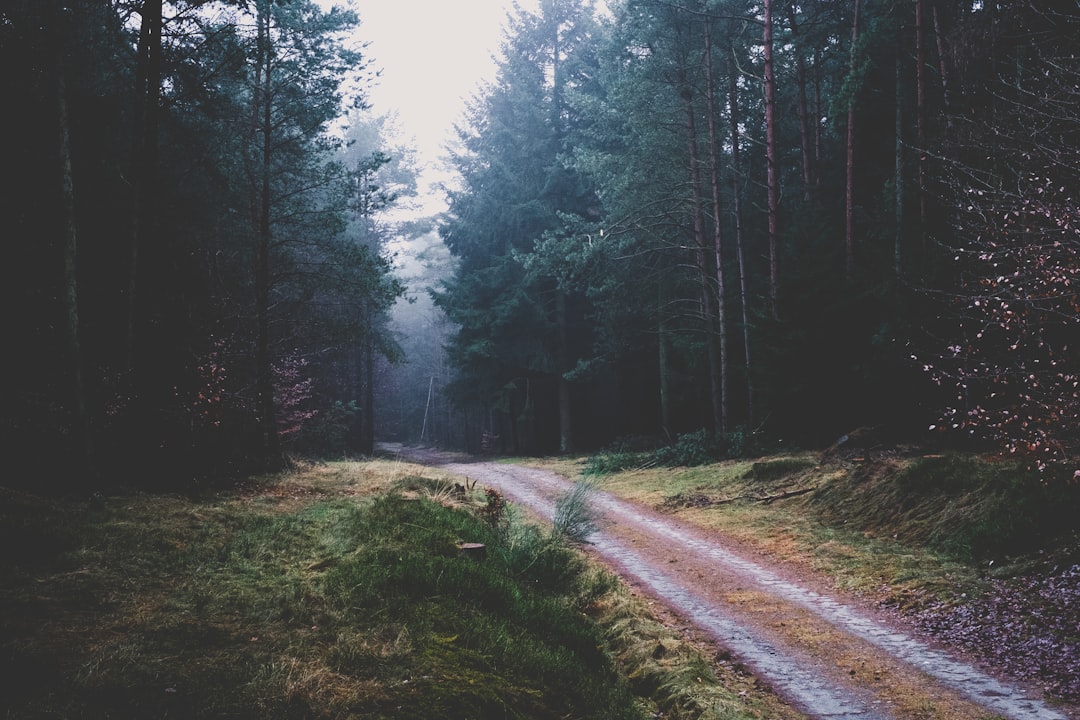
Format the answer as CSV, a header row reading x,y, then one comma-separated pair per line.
x,y
433,55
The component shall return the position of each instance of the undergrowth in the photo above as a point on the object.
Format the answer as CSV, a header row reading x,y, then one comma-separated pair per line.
x,y
160,607
687,450
309,596
967,507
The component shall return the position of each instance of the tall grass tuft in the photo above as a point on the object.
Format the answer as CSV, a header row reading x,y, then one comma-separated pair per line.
x,y
574,520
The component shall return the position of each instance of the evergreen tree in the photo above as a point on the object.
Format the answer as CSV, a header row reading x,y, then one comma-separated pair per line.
x,y
513,349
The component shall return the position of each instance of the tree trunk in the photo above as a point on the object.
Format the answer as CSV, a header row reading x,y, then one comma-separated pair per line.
x,y
942,64
736,212
83,444
920,115
700,260
819,108
802,110
665,381
144,158
566,435
714,176
898,173
367,394
849,192
773,170
270,450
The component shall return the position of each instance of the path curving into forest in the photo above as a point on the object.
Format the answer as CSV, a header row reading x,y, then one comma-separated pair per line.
x,y
825,656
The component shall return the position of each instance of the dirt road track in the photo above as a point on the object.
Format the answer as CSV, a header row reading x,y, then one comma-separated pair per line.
x,y
825,657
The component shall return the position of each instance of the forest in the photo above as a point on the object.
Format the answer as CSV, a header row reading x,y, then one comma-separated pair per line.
x,y
753,223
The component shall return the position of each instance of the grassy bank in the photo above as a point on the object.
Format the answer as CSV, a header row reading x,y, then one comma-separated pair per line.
x,y
974,550
906,525
338,591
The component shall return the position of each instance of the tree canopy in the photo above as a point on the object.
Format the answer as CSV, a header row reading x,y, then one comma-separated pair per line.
x,y
760,222
196,264
780,220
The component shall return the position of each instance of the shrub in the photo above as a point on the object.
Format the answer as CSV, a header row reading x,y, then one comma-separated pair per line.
x,y
688,450
574,519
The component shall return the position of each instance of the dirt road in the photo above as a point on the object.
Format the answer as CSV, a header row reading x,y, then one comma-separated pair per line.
x,y
827,657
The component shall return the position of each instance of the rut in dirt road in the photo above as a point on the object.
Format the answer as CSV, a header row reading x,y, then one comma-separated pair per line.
x,y
627,540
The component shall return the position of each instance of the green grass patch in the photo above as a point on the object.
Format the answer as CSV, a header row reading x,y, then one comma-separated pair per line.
x,y
339,591
260,607
692,449
907,528
969,508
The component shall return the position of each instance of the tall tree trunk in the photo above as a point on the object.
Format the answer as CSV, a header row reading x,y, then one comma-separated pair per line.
x,y
898,170
700,259
515,434
819,108
920,114
665,380
566,434
849,143
144,159
267,418
83,444
367,393
737,215
353,371
943,68
772,163
714,177
802,109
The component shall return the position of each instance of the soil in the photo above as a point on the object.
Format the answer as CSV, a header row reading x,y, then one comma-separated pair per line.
x,y
827,655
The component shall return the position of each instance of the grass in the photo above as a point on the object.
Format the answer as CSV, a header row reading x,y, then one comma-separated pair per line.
x,y
905,529
336,591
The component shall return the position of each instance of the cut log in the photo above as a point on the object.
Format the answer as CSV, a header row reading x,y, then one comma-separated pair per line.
x,y
476,551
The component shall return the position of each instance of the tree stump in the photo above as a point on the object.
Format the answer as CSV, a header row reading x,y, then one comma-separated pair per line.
x,y
476,551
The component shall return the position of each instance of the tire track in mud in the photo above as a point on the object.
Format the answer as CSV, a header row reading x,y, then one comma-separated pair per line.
x,y
628,538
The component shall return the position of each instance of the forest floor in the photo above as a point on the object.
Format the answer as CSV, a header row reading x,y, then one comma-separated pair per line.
x,y
827,652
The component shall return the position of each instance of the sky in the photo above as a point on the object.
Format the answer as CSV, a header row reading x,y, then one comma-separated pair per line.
x,y
433,55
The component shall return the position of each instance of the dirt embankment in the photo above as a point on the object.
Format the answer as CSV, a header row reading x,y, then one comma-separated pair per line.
x,y
829,657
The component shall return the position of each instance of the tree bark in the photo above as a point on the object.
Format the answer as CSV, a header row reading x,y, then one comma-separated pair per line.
x,y
898,170
772,163
943,68
80,415
566,434
802,110
736,212
662,361
714,177
144,158
920,114
270,450
367,391
708,318
849,192
819,108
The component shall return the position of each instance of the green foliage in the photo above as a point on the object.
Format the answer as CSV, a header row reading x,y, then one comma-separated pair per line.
x,y
257,607
574,519
769,470
688,450
325,435
965,506
609,463
517,297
